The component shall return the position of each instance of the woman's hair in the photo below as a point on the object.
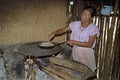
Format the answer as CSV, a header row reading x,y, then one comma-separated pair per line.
x,y
91,9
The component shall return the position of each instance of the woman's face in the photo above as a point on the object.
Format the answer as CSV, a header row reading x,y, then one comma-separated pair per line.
x,y
86,16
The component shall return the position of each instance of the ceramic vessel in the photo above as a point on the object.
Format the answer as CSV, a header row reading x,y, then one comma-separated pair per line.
x,y
106,10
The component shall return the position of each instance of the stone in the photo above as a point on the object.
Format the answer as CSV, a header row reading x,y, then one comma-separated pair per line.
x,y
2,70
1,53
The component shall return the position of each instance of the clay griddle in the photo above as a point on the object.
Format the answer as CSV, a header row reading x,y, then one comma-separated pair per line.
x,y
32,49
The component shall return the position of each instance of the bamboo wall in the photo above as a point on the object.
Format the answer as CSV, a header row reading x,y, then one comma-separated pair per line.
x,y
107,48
107,51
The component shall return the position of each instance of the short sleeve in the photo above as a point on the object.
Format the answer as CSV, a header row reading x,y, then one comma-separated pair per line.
x,y
93,29
74,24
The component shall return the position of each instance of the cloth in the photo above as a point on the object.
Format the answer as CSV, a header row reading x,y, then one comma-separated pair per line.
x,y
80,54
84,56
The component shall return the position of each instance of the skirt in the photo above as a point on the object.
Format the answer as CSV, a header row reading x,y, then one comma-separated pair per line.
x,y
84,56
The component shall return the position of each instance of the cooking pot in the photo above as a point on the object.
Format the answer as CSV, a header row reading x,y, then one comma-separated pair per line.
x,y
106,10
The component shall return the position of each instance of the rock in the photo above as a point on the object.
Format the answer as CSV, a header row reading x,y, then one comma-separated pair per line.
x,y
1,53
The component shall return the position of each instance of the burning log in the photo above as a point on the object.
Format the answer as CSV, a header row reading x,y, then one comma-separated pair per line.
x,y
32,73
61,69
29,69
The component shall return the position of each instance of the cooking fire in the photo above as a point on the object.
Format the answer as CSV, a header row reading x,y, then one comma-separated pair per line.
x,y
32,65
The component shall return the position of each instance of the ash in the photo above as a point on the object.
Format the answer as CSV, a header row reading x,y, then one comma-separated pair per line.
x,y
31,68
40,75
13,64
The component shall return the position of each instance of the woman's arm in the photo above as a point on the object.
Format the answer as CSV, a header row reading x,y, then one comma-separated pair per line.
x,y
58,32
83,44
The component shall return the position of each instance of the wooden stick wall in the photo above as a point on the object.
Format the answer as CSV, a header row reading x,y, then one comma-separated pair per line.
x,y
107,44
107,48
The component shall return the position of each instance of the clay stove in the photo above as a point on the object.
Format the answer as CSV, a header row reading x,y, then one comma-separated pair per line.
x,y
33,65
36,57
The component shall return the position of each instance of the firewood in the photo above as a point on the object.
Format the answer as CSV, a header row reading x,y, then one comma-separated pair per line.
x,y
52,75
76,74
31,74
59,72
70,64
70,72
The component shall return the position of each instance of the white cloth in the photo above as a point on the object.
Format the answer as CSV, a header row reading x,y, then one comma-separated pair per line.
x,y
85,56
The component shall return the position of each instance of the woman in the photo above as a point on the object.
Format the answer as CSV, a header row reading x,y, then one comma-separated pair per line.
x,y
83,37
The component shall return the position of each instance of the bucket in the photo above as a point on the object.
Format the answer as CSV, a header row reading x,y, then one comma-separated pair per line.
x,y
106,10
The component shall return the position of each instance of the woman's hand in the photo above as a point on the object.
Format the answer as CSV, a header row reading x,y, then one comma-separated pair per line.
x,y
51,36
71,42
83,44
